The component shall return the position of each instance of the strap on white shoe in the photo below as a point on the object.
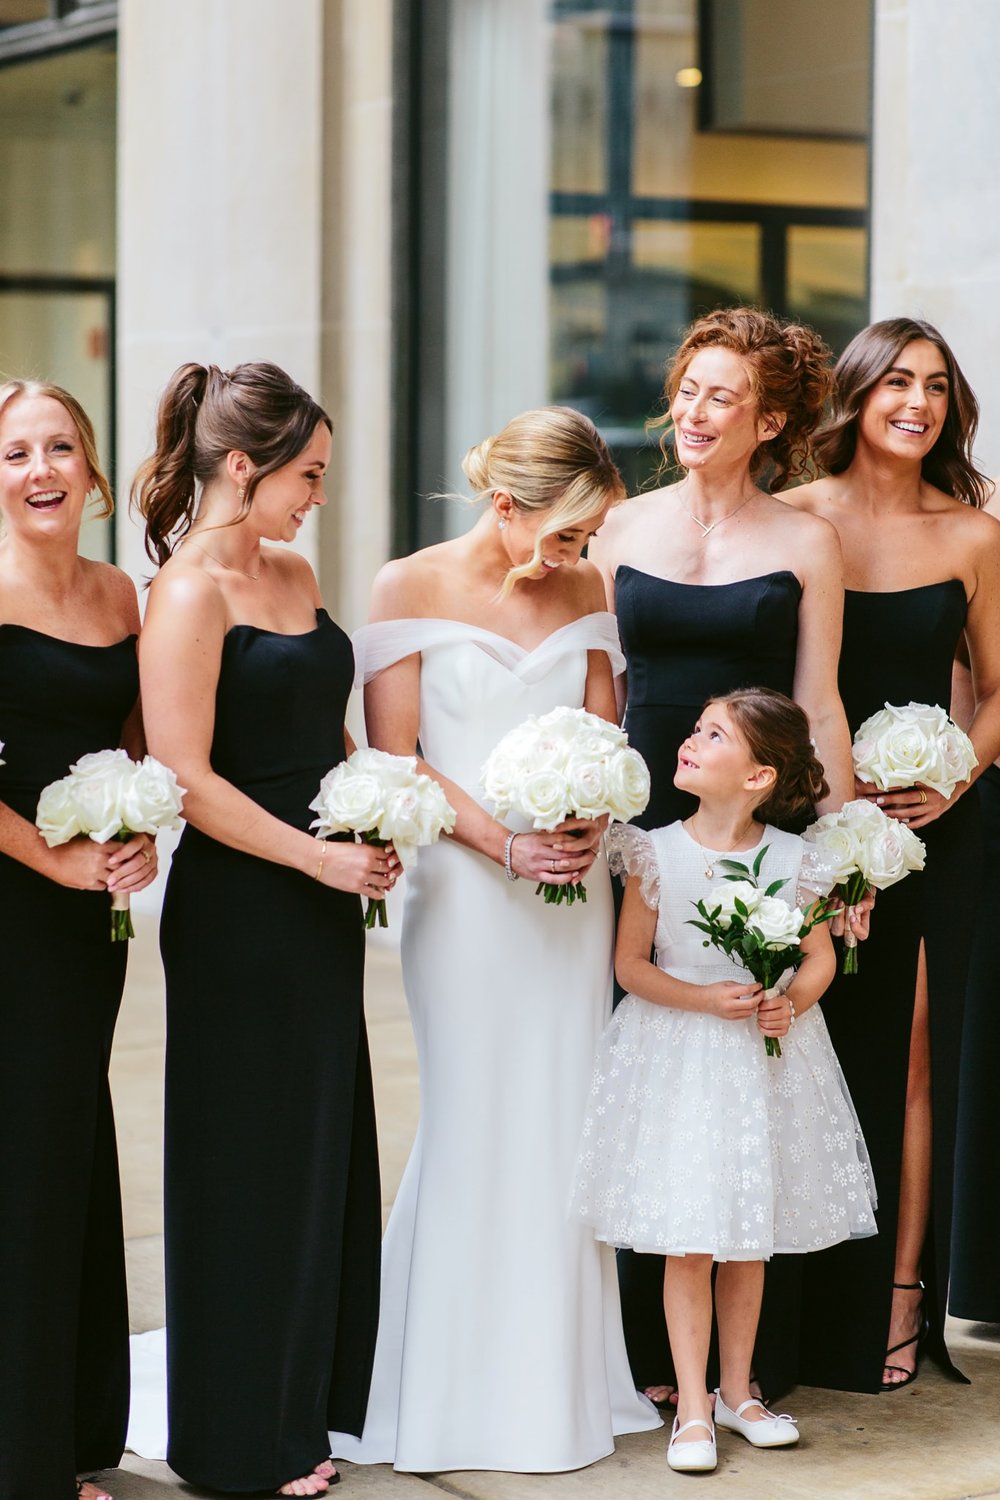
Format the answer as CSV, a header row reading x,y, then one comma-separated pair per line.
x,y
774,1416
695,1422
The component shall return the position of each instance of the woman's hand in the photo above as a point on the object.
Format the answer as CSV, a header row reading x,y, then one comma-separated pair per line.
x,y
552,858
132,865
916,806
582,833
363,869
81,865
774,1016
730,1000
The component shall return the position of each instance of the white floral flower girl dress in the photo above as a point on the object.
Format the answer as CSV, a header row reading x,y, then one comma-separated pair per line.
x,y
695,1141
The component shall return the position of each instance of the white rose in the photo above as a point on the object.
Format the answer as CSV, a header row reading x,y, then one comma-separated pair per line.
x,y
890,855
349,801
390,770
2,762
905,754
415,816
151,798
839,845
100,765
57,816
587,779
956,760
777,922
725,897
501,776
628,784
914,848
98,799
544,798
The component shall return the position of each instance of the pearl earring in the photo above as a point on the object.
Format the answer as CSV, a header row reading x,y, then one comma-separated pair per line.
x,y
502,524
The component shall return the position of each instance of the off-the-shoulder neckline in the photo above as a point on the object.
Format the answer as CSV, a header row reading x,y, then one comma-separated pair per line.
x,y
467,628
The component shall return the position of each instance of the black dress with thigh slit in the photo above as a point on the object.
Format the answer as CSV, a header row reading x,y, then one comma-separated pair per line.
x,y
273,1216
685,643
64,1371
898,647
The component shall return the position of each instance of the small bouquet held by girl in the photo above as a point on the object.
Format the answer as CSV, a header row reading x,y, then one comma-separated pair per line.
x,y
565,764
694,1146
384,799
105,796
867,851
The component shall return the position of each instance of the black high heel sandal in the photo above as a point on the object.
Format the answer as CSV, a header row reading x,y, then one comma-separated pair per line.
x,y
918,1338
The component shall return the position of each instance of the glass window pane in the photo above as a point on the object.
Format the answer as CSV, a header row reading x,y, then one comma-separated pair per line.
x,y
57,163
827,280
579,100
19,12
64,338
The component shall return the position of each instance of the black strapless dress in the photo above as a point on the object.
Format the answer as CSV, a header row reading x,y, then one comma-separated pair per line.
x,y
272,1200
975,1264
683,643
898,648
63,1313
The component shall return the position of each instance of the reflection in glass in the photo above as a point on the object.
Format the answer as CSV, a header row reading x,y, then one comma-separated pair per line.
x,y
827,276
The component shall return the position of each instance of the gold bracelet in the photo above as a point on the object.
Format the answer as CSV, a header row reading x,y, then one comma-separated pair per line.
x,y
322,856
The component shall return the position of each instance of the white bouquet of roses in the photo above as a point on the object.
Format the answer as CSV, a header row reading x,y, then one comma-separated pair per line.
x,y
915,745
864,850
565,764
384,799
757,928
109,796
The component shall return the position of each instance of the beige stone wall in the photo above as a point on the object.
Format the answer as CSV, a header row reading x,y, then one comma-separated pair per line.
x,y
935,185
254,224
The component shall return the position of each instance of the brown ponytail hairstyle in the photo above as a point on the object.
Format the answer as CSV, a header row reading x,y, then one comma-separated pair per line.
x,y
776,733
11,390
788,366
205,413
870,355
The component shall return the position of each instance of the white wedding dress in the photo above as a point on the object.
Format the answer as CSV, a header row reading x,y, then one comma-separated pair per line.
x,y
500,1343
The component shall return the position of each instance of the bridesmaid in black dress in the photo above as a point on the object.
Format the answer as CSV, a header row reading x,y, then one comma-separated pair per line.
x,y
68,686
717,585
975,1269
922,566
272,1219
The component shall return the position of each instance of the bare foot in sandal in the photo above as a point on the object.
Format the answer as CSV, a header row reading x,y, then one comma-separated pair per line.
x,y
88,1490
661,1395
309,1484
327,1470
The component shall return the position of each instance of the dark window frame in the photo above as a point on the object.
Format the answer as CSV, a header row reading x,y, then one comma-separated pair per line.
x,y
69,24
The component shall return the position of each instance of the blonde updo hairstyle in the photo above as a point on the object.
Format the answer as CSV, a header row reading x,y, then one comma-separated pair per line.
x,y
204,414
12,390
776,733
789,369
555,465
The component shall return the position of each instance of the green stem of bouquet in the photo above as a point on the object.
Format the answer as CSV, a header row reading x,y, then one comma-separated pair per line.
x,y
375,911
561,895
853,890
121,921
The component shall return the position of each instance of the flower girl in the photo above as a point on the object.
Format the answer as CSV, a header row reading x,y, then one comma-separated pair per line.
x,y
697,1144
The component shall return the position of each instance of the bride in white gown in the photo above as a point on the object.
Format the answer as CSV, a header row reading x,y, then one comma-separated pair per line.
x,y
500,1343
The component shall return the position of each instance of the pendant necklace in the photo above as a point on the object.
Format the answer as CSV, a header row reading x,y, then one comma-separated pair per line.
x,y
719,520
726,854
253,577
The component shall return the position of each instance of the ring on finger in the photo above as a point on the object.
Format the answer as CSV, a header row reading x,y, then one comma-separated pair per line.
x,y
147,856
923,796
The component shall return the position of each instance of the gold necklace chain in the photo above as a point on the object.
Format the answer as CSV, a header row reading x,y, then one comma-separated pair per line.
x,y
700,523
253,577
726,854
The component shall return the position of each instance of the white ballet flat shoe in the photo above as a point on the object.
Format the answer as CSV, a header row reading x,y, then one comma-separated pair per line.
x,y
772,1432
694,1458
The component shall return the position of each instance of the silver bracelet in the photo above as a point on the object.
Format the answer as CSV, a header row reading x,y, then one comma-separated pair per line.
x,y
508,868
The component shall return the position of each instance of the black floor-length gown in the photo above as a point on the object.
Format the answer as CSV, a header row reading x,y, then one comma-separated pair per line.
x,y
898,647
685,643
273,1216
63,1313
975,1268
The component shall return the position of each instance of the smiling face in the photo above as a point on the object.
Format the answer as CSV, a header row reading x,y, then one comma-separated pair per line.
x,y
714,760
904,412
44,473
283,499
559,549
715,416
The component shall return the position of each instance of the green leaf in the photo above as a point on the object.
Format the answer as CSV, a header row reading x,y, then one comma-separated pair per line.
x,y
775,887
734,864
759,861
742,910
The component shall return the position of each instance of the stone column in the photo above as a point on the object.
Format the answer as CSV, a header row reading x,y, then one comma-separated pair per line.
x,y
935,190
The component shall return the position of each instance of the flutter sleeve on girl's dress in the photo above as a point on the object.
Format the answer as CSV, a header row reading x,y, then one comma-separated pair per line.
x,y
817,875
631,852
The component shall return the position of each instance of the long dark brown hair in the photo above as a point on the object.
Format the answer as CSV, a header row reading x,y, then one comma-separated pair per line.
x,y
789,368
776,732
205,413
949,466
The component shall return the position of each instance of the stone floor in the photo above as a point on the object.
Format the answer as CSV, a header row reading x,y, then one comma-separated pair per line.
x,y
934,1441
